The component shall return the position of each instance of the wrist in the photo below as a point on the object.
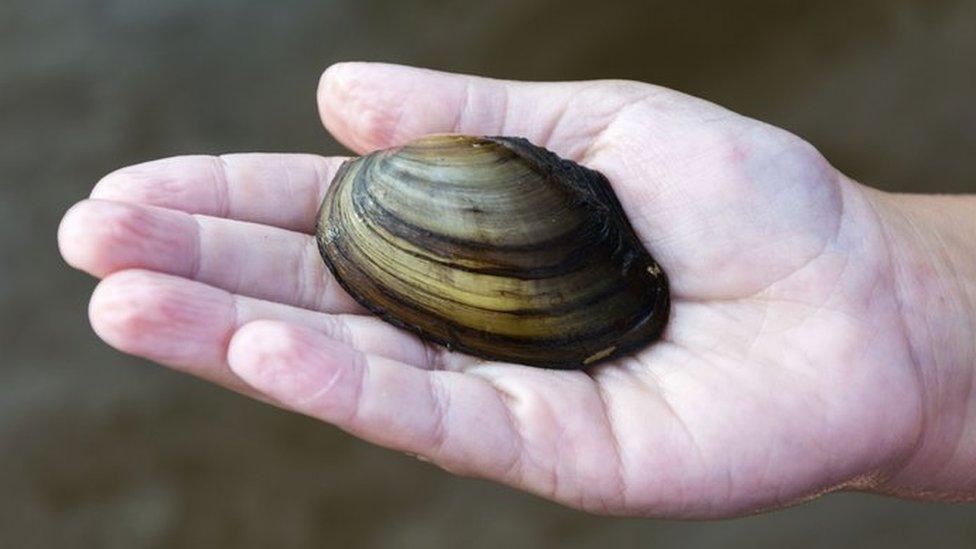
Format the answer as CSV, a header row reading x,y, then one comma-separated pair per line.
x,y
932,245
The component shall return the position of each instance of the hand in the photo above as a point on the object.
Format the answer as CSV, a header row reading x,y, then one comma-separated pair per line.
x,y
786,370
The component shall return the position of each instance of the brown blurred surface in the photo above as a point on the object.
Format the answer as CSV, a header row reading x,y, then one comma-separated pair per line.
x,y
102,450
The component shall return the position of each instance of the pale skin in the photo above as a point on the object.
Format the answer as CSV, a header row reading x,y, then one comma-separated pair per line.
x,y
821,335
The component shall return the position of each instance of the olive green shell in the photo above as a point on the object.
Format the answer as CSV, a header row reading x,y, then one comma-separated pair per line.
x,y
494,247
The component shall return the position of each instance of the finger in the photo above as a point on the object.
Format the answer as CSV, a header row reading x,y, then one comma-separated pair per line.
x,y
368,106
102,237
456,420
187,325
283,190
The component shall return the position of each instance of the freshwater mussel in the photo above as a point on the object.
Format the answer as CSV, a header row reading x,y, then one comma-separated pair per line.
x,y
495,247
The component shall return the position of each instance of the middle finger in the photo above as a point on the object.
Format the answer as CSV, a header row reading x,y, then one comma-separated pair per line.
x,y
102,237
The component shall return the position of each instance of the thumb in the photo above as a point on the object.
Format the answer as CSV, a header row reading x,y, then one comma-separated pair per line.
x,y
369,106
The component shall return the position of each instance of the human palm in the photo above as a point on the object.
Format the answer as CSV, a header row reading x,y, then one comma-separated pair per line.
x,y
784,371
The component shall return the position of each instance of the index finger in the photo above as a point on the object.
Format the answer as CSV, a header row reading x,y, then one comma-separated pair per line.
x,y
283,190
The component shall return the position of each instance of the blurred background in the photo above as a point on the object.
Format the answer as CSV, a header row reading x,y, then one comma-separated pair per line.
x,y
103,450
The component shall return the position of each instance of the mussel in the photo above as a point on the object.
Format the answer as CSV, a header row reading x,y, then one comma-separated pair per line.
x,y
495,247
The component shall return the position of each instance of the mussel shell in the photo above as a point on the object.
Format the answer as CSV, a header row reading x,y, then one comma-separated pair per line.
x,y
495,247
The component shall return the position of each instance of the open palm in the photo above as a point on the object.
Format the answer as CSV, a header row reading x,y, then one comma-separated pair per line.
x,y
784,371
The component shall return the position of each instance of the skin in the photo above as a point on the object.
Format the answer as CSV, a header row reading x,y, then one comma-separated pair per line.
x,y
821,335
